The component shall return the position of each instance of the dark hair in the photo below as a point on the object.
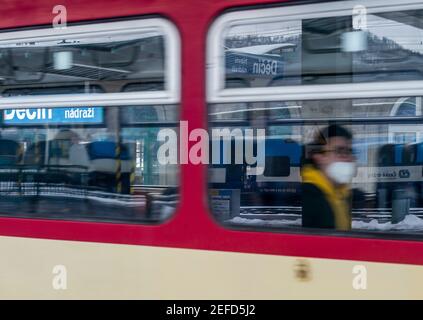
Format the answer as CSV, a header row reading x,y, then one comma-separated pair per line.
x,y
322,137
331,131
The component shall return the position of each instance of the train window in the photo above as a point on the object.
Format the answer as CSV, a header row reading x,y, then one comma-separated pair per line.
x,y
375,108
306,48
325,133
107,55
72,147
386,152
231,112
87,163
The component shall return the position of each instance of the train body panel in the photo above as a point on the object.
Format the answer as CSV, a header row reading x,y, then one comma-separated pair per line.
x,y
112,271
136,230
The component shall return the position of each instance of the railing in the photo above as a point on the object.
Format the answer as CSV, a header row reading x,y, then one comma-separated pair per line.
x,y
37,185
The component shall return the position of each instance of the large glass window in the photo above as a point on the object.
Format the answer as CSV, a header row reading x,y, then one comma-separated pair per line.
x,y
61,158
309,131
86,163
387,151
352,43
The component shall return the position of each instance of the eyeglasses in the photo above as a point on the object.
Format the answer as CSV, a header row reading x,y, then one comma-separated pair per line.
x,y
340,151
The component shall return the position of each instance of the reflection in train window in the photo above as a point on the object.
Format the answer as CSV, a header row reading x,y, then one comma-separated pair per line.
x,y
111,55
231,111
87,163
79,130
143,86
263,46
377,142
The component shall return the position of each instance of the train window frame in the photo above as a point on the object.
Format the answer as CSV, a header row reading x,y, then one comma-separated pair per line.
x,y
216,93
215,86
172,64
354,233
170,95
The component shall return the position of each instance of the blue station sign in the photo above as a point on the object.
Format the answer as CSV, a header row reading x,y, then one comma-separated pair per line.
x,y
73,115
251,64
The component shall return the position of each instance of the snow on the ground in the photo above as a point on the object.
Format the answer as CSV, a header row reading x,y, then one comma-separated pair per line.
x,y
260,222
411,222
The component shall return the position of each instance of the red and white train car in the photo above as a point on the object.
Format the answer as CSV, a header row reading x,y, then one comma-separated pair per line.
x,y
87,208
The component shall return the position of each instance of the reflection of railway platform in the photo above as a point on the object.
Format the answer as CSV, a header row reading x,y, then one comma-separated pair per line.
x,y
68,192
61,202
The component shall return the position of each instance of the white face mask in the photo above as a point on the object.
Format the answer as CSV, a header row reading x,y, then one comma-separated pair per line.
x,y
341,172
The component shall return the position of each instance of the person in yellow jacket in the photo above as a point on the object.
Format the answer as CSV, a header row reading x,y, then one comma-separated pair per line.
x,y
326,180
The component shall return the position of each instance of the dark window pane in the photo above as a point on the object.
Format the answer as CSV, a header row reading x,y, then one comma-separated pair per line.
x,y
386,190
